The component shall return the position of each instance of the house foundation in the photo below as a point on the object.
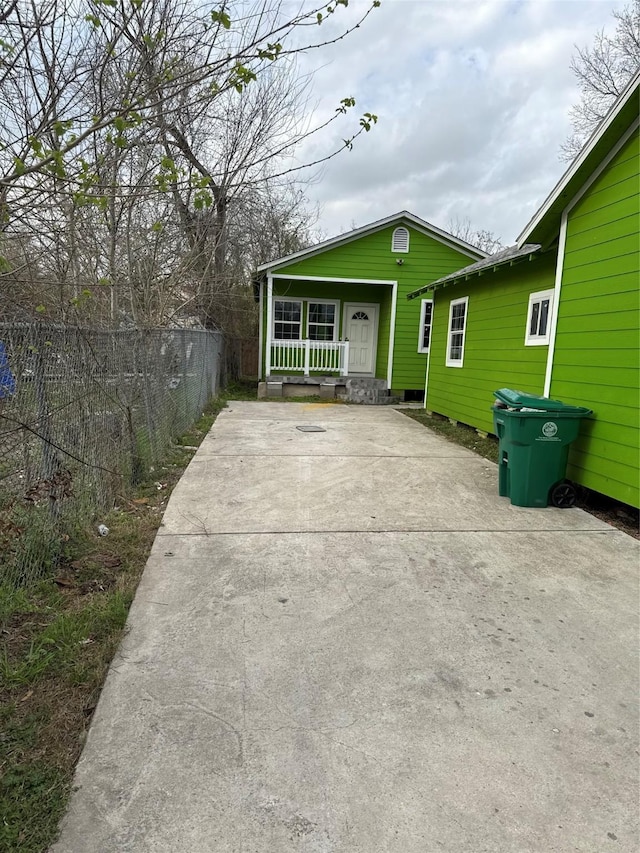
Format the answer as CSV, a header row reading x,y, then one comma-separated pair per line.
x,y
363,390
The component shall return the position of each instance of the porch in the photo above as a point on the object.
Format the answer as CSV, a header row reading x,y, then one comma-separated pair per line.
x,y
325,327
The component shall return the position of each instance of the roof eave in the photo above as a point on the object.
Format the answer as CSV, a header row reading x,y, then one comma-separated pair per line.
x,y
622,112
465,274
420,224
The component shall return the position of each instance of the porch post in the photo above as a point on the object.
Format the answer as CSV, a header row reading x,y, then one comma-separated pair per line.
x,y
267,369
345,358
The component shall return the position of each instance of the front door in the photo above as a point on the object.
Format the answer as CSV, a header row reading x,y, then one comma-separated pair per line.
x,y
361,329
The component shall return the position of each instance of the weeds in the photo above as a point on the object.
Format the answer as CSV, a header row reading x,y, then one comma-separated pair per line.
x,y
58,639
461,434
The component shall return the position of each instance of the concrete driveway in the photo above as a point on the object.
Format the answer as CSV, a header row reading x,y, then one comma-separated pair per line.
x,y
346,642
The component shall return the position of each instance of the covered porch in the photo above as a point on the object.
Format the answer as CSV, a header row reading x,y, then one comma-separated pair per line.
x,y
323,328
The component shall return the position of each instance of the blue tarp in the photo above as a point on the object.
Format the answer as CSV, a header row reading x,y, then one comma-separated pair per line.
x,y
7,379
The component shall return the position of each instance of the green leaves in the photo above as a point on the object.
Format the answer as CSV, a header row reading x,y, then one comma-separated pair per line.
x,y
60,128
346,104
271,52
168,175
220,17
331,9
367,120
202,199
241,76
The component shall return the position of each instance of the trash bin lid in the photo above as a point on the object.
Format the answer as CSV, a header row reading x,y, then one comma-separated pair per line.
x,y
523,400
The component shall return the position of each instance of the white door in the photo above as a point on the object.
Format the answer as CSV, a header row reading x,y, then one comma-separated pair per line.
x,y
361,328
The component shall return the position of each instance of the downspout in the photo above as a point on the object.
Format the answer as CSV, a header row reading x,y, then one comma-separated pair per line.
x,y
556,302
261,330
269,315
392,332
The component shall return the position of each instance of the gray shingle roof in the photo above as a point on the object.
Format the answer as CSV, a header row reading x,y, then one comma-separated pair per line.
x,y
504,256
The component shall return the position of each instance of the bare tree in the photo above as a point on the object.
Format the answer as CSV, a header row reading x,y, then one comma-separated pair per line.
x,y
603,70
485,240
135,140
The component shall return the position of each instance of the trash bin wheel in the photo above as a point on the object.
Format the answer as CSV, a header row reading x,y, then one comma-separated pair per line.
x,y
563,495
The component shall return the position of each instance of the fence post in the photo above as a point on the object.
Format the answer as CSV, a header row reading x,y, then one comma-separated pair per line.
x,y
50,462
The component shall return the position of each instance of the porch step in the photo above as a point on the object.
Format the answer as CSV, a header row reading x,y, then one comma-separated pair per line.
x,y
369,392
364,390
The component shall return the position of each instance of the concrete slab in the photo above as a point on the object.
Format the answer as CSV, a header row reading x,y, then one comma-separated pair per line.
x,y
309,493
240,436
369,691
310,412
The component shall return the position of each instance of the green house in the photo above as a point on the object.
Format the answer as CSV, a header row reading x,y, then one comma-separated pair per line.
x,y
335,318
558,313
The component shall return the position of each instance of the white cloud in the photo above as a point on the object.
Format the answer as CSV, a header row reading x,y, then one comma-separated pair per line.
x,y
472,99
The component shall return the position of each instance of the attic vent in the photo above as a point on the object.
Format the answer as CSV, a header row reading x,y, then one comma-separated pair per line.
x,y
400,240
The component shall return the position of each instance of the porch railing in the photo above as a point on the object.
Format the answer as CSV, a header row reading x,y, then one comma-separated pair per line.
x,y
307,356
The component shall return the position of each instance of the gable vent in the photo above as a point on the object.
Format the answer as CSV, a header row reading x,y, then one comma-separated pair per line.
x,y
400,240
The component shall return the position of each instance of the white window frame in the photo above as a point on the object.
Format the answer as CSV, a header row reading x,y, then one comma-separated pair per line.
x,y
455,362
336,316
423,311
537,298
394,248
274,320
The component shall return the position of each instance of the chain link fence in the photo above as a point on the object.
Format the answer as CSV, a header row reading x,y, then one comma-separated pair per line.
x,y
82,413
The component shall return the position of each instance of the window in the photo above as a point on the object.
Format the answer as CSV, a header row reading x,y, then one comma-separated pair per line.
x,y
287,320
321,321
539,318
457,331
400,240
426,315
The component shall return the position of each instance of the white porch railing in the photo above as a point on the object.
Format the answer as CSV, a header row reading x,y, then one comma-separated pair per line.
x,y
307,356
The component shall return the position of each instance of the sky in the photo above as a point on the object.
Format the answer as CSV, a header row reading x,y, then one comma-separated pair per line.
x,y
472,100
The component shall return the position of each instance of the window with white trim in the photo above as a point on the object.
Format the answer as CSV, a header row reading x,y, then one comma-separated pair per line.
x,y
539,318
457,332
400,240
426,317
287,319
321,321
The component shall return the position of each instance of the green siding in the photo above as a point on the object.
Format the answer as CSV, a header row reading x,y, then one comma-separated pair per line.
x,y
370,257
494,355
598,338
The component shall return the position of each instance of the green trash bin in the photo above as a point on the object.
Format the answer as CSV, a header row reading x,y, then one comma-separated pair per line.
x,y
534,436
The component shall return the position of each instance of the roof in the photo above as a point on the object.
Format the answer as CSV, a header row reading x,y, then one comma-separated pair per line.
x,y
545,223
404,217
510,255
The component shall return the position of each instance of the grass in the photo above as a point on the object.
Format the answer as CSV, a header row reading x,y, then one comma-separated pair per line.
x,y
58,638
457,433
